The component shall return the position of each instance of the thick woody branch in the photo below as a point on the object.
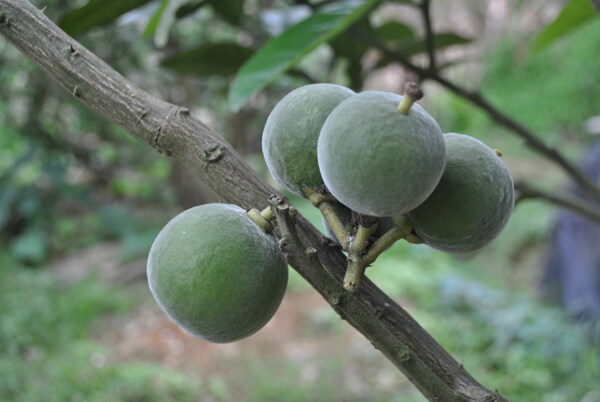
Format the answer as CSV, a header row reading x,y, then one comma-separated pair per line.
x,y
172,130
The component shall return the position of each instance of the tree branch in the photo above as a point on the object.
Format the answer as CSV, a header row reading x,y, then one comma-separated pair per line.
x,y
582,207
172,130
429,38
531,140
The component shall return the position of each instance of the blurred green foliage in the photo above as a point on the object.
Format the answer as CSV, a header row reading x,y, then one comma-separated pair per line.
x,y
46,352
551,92
64,172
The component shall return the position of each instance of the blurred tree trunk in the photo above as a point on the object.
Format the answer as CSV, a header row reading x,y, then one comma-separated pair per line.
x,y
573,270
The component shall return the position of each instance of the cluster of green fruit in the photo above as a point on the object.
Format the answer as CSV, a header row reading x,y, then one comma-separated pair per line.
x,y
379,159
379,169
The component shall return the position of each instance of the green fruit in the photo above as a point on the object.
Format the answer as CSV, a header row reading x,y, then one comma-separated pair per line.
x,y
376,160
289,141
471,204
216,273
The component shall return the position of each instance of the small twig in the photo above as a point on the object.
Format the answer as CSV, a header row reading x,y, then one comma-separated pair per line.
x,y
358,262
429,36
359,242
323,202
579,206
402,227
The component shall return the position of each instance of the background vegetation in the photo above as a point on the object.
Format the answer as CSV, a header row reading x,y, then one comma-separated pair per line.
x,y
72,185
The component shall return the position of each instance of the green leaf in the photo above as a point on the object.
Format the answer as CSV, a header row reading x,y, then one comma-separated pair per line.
x,y
155,20
414,46
347,46
95,13
286,50
573,14
393,31
230,10
209,59
165,21
190,7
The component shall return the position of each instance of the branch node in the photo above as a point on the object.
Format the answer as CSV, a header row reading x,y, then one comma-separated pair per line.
x,y
76,91
4,19
183,111
214,153
140,117
283,244
335,298
73,52
155,141
276,199
380,310
404,356
310,251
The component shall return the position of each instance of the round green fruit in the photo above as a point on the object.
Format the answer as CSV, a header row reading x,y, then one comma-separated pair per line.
x,y
216,273
471,204
376,160
289,141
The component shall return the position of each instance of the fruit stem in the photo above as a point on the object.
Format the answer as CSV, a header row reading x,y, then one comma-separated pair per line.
x,y
402,228
354,274
322,201
412,238
256,216
267,214
359,242
412,93
356,267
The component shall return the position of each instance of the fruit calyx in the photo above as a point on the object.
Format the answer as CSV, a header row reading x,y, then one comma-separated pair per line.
x,y
412,93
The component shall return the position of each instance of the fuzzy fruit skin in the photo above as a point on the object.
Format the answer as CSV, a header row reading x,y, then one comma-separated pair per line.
x,y
473,201
289,141
376,160
216,273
